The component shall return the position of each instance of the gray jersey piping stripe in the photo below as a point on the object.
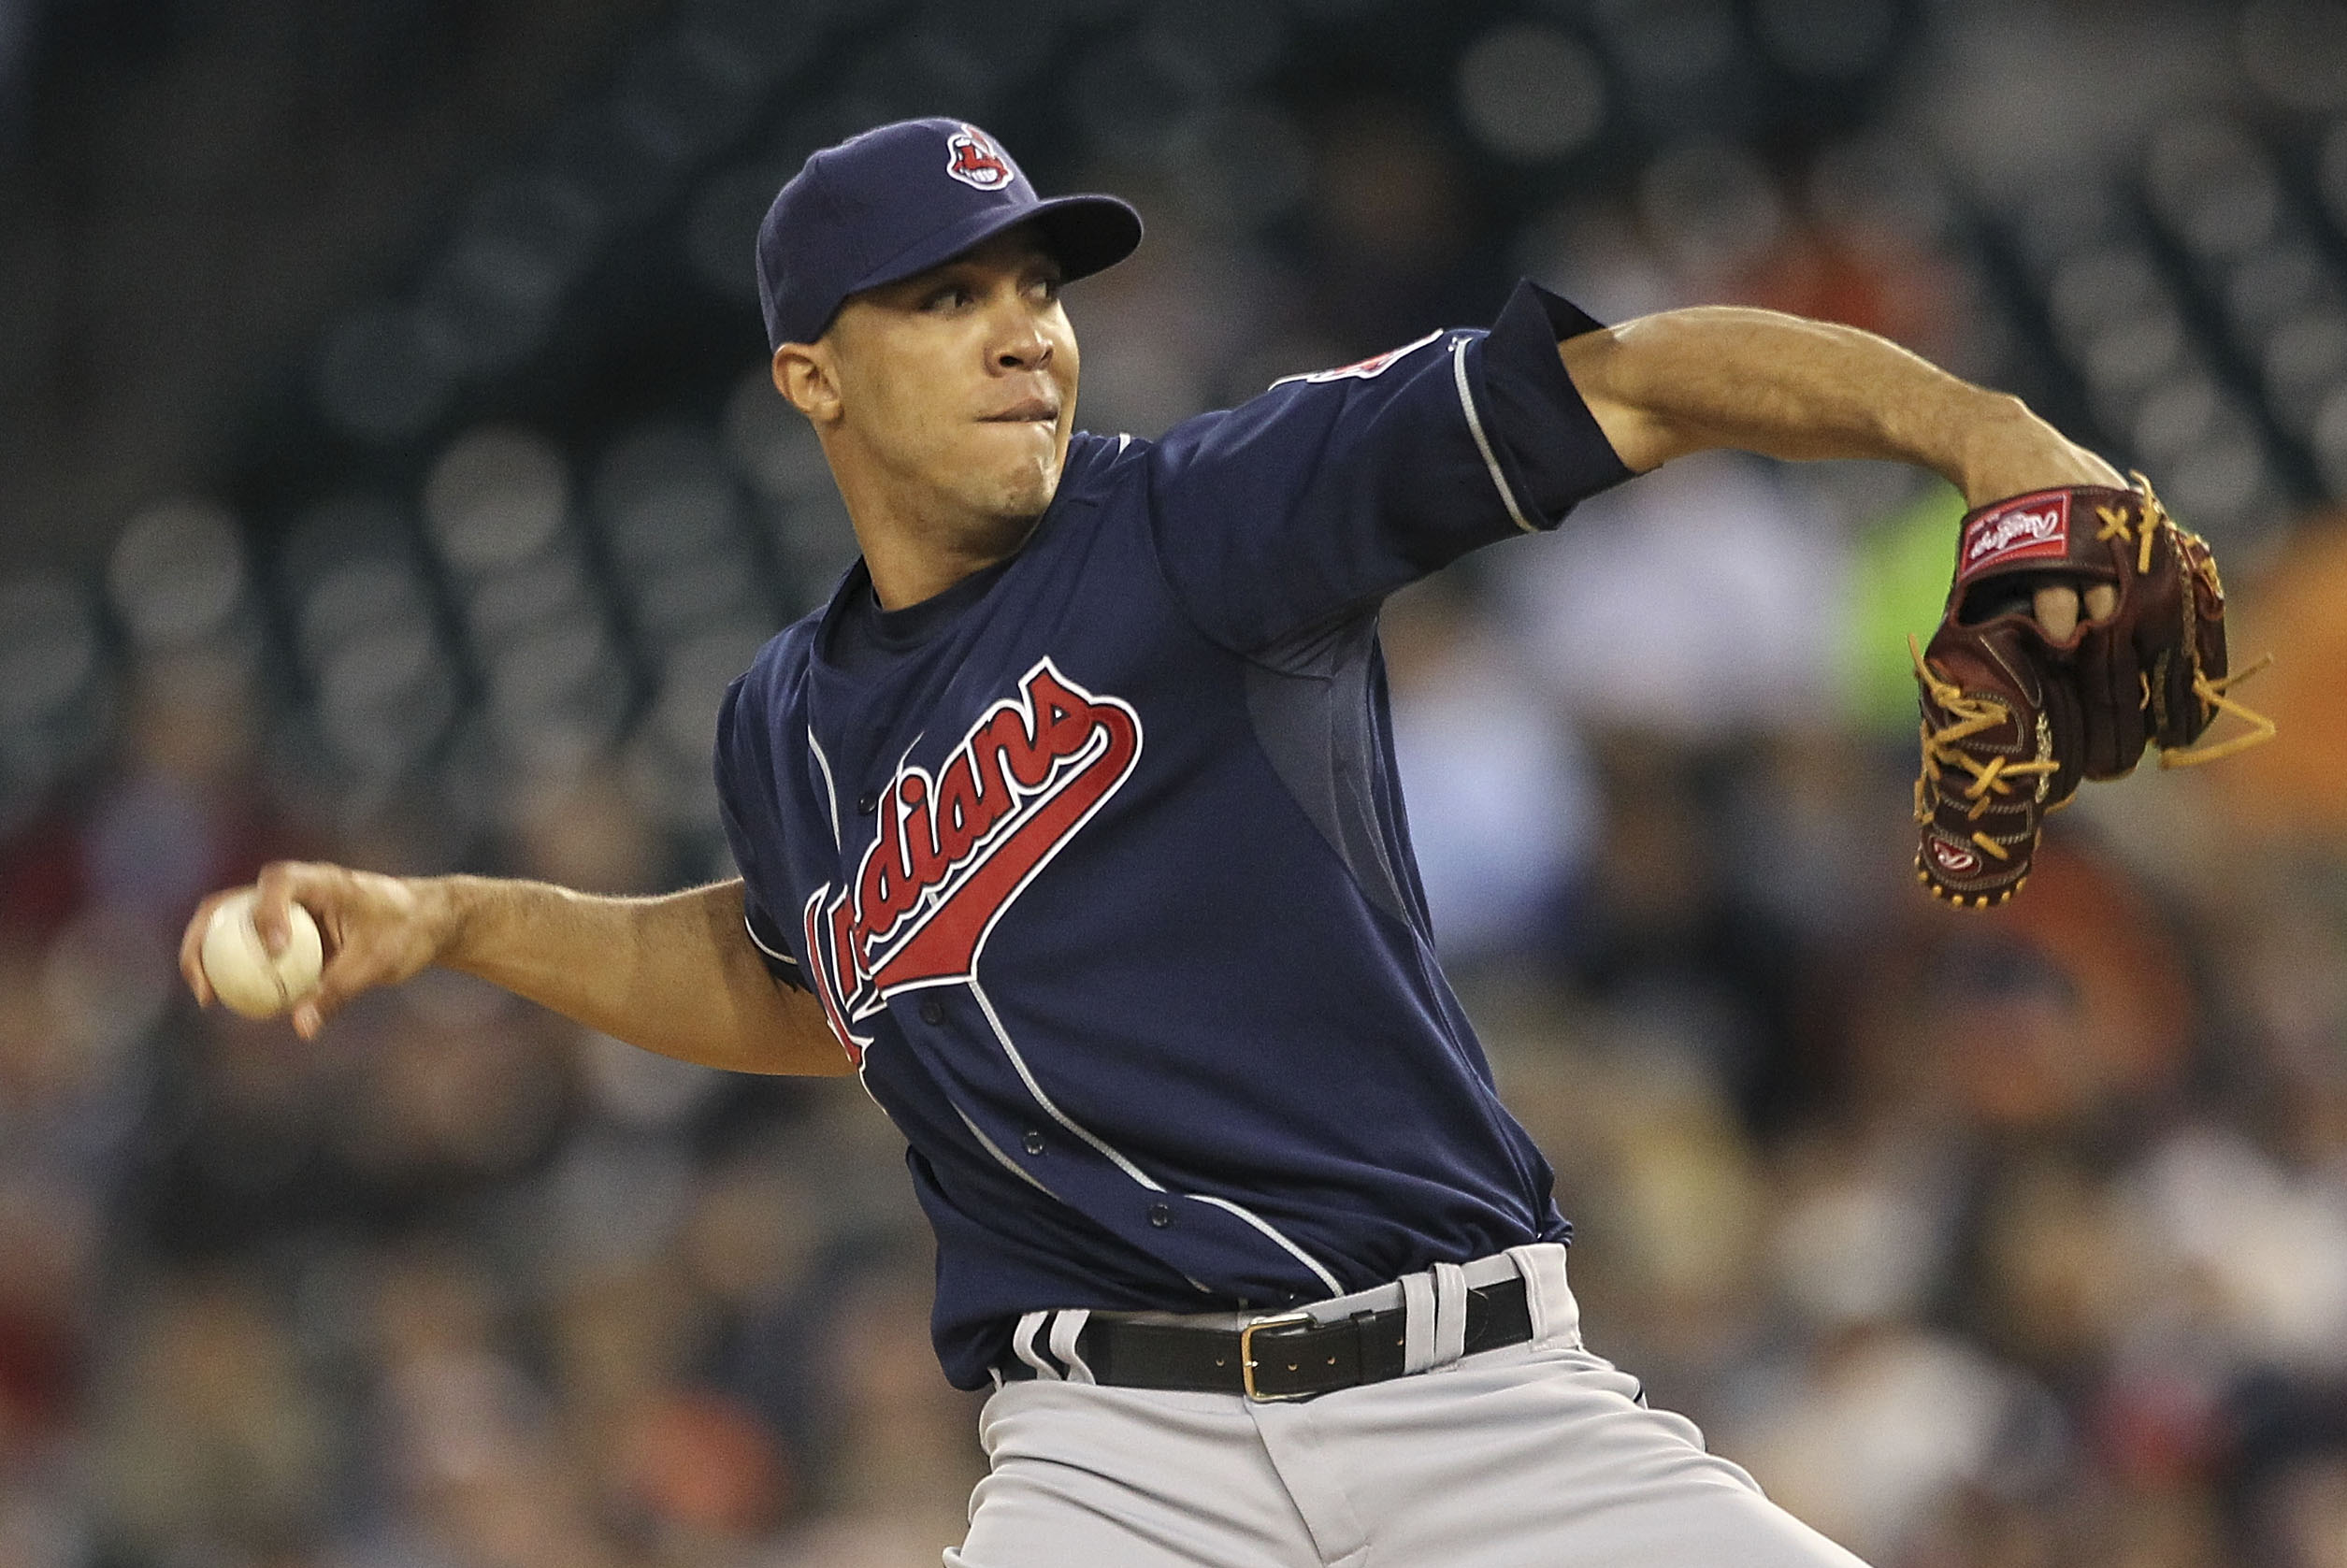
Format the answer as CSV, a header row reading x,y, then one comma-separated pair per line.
x,y
1126,1166
830,788
865,1083
1019,1063
1000,1158
1483,442
1264,1225
778,957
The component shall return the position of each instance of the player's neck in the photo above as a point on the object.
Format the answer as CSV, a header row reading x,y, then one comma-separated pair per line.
x,y
914,553
928,515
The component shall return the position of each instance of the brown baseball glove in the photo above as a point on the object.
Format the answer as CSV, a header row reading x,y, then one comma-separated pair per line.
x,y
2022,696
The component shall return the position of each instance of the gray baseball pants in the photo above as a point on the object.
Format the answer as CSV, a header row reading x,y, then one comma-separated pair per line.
x,y
1526,1457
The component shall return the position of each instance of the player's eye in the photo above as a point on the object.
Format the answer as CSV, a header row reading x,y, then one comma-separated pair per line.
x,y
948,296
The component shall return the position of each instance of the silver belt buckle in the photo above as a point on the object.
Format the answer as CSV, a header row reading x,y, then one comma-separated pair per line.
x,y
1246,1353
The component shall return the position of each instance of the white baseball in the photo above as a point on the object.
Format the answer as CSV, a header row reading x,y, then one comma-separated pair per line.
x,y
243,974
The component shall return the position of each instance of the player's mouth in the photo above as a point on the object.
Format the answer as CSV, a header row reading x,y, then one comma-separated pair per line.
x,y
1034,411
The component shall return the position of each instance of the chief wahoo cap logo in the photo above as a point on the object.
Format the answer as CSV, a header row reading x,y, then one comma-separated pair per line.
x,y
975,160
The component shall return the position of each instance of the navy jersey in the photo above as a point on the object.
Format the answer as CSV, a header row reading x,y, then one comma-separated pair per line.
x,y
1098,863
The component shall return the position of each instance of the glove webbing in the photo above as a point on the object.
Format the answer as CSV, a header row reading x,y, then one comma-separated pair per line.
x,y
2211,693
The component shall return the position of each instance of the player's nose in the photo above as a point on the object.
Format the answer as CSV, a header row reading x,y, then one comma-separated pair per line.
x,y
1020,342
1031,350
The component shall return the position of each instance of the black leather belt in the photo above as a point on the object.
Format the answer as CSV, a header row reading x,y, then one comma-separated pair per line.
x,y
1285,1356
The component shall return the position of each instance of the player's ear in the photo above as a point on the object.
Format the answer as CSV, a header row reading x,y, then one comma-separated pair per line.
x,y
808,379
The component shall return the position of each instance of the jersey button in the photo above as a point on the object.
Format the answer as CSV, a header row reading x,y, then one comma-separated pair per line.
x,y
1161,1216
865,803
931,1012
1033,1142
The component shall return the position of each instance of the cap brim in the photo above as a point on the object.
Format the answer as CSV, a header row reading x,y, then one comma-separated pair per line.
x,y
1084,234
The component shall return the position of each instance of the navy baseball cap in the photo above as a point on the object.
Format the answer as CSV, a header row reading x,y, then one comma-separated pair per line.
x,y
900,199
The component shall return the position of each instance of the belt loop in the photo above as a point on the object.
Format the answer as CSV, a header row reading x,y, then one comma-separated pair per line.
x,y
1555,1315
1451,1313
1065,1325
1023,1342
1418,1323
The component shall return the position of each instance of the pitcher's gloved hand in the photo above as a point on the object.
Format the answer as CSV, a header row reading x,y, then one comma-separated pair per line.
x,y
2083,625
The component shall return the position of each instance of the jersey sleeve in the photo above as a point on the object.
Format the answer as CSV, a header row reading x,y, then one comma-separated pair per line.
x,y
1332,490
744,767
768,939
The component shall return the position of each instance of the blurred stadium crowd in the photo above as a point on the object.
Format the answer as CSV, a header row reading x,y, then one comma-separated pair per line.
x,y
2006,1240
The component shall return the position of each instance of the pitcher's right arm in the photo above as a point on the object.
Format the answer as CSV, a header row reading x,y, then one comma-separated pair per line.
x,y
676,974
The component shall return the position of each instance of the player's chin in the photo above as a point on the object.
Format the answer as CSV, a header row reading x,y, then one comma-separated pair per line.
x,y
1030,498
1022,485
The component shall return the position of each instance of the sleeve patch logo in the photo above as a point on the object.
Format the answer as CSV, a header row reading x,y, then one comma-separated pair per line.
x,y
952,850
974,160
2027,528
1374,366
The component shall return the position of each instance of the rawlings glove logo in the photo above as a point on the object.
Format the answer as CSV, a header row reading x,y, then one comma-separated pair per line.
x,y
2024,529
953,851
1954,859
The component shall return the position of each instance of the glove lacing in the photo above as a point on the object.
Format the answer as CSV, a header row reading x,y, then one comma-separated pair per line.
x,y
1991,779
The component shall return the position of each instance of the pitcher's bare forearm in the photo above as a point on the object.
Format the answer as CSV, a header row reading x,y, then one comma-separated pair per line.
x,y
676,974
1728,376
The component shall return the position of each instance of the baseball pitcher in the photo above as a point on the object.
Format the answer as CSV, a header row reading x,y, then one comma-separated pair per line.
x,y
1070,823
